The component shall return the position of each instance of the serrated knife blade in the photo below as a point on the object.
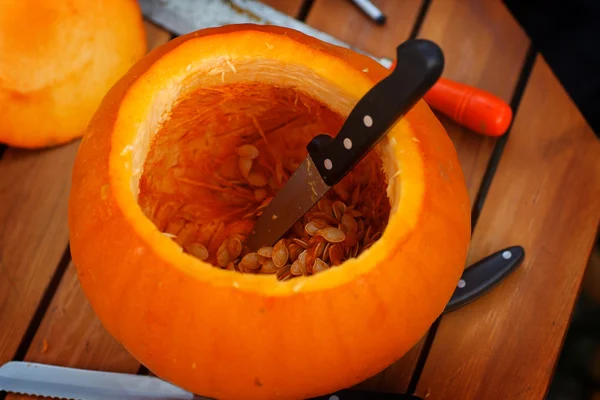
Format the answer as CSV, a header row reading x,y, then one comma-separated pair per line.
x,y
79,384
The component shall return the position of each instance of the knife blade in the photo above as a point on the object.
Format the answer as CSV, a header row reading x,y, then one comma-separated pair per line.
x,y
78,384
72,383
184,16
419,64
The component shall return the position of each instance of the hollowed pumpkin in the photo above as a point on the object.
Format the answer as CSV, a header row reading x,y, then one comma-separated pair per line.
x,y
160,181
57,61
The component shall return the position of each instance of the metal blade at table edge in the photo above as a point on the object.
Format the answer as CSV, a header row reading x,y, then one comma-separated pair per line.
x,y
72,383
184,16
301,191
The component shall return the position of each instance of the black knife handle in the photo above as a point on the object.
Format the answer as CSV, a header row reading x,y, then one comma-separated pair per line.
x,y
419,64
482,276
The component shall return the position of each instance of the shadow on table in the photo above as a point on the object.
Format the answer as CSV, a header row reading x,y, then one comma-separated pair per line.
x,y
577,375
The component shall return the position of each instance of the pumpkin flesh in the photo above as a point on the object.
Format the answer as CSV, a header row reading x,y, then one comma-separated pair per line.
x,y
227,334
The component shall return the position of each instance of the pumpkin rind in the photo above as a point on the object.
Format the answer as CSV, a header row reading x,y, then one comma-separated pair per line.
x,y
58,61
229,335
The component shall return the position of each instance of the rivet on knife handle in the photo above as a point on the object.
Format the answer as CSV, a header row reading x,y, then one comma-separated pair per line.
x,y
419,65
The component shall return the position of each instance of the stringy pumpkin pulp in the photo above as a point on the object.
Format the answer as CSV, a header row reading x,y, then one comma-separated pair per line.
x,y
223,154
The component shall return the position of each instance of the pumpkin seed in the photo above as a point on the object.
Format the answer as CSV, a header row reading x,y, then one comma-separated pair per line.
x,y
355,213
314,226
245,165
197,250
269,267
301,243
295,268
325,255
280,253
336,254
309,261
319,266
324,205
322,216
351,239
223,254
350,223
339,209
319,249
360,226
284,273
332,235
260,194
302,261
247,151
298,230
230,266
263,260
294,250
257,179
249,261
234,248
266,251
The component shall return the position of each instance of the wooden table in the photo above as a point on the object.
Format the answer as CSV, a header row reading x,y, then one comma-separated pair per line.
x,y
538,186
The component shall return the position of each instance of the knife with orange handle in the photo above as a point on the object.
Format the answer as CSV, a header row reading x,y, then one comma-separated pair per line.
x,y
477,110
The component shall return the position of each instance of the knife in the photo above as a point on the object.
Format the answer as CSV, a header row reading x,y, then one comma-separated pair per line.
x,y
72,383
419,65
79,384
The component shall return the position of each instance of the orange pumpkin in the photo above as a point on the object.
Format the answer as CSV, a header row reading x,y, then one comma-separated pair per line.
x,y
58,60
156,146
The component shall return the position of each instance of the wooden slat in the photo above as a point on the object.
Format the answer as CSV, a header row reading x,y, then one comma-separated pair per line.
x,y
155,36
544,197
289,7
34,189
483,46
346,22
71,334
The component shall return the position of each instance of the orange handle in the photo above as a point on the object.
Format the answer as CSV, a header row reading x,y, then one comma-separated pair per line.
x,y
473,108
477,110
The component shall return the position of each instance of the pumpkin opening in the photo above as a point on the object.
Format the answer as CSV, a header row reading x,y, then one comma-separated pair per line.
x,y
225,149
